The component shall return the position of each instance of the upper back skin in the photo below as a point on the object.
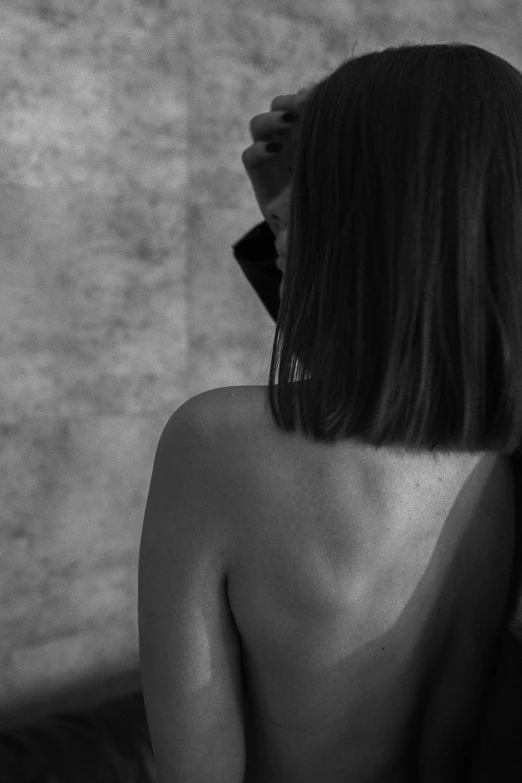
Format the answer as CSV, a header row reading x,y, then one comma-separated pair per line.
x,y
368,590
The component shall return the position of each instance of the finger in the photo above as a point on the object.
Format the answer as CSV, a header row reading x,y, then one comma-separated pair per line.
x,y
282,102
255,155
265,126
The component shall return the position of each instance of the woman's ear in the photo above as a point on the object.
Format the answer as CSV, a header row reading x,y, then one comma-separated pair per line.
x,y
278,210
281,243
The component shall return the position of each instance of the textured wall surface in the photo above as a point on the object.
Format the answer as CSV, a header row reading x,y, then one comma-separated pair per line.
x,y
122,124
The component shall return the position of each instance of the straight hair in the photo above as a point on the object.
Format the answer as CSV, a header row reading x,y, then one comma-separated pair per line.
x,y
401,309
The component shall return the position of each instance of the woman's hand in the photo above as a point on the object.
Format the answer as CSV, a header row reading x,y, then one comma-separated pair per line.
x,y
270,173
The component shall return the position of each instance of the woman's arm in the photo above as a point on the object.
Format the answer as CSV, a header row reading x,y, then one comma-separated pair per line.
x,y
497,754
498,748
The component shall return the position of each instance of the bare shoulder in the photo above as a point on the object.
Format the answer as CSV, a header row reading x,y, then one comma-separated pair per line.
x,y
219,404
225,411
231,423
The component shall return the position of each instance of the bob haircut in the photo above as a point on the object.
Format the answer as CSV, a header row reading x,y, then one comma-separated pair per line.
x,y
401,310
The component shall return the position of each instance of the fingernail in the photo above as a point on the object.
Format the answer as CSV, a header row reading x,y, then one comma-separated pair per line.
x,y
289,116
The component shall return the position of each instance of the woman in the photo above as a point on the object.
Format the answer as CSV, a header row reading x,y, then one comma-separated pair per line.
x,y
329,601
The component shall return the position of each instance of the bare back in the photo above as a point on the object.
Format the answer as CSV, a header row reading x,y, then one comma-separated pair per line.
x,y
368,589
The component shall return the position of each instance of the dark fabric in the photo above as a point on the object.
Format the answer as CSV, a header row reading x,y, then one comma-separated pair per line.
x,y
256,254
